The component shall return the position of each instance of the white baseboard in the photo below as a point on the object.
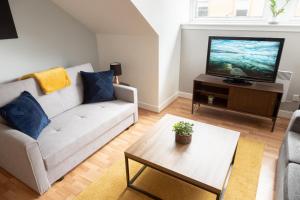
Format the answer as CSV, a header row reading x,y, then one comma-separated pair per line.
x,y
282,113
285,114
149,107
168,101
185,95
159,108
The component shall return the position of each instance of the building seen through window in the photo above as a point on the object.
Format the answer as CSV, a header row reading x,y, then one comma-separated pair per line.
x,y
229,8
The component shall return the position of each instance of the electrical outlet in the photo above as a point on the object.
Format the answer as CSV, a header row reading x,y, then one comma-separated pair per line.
x,y
296,97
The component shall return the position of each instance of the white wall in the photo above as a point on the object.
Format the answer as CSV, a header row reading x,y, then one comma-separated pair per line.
x,y
144,35
47,37
194,51
165,17
107,16
139,57
125,36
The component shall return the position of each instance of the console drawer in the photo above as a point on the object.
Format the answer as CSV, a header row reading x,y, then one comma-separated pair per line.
x,y
252,101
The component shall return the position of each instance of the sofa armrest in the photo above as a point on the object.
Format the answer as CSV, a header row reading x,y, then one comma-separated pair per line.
x,y
20,155
294,124
128,94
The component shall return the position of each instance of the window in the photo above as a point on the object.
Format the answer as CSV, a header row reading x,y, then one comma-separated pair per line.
x,y
240,11
241,8
202,8
202,11
228,8
297,11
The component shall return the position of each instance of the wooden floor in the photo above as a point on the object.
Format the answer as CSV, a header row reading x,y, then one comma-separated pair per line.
x,y
90,170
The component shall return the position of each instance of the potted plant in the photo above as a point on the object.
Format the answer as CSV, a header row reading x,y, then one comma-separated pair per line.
x,y
276,10
183,132
210,99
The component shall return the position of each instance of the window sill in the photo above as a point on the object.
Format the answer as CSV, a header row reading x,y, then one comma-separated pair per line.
x,y
239,26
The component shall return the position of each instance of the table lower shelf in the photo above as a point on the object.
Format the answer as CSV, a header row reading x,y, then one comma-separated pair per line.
x,y
130,181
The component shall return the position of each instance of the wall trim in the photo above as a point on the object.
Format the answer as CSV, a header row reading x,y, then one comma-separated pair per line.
x,y
242,27
282,113
168,101
159,108
149,107
186,95
285,114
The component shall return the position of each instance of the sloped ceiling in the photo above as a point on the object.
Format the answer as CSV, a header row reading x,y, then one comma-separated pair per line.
x,y
107,16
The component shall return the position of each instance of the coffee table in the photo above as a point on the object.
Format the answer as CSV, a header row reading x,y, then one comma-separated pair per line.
x,y
204,163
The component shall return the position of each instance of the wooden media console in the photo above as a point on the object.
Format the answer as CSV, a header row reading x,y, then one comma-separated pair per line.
x,y
260,98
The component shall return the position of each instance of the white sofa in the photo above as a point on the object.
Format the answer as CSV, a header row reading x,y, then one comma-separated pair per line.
x,y
76,130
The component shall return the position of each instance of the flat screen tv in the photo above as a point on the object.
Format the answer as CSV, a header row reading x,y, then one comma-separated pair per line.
x,y
241,59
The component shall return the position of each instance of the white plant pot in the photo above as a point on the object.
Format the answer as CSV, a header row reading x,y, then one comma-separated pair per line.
x,y
273,20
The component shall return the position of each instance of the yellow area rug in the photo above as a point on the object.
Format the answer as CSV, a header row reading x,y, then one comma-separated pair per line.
x,y
242,183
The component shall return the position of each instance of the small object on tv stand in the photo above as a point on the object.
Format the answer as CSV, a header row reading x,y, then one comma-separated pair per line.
x,y
210,99
116,67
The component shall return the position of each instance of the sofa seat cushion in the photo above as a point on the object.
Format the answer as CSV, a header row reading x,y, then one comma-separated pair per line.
x,y
293,147
292,182
74,129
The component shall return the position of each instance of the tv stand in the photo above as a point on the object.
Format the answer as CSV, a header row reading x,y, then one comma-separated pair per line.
x,y
237,81
260,99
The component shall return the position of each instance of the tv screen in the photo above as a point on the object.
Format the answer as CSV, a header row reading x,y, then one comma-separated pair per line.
x,y
7,26
244,58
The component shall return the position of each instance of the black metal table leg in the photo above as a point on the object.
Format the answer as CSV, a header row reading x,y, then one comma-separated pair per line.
x,y
192,107
127,171
131,181
218,197
233,158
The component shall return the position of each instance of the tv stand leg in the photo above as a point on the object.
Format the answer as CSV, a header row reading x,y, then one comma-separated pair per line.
x,y
274,123
192,108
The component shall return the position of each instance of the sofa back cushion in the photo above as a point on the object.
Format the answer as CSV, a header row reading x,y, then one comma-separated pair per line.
x,y
67,98
53,103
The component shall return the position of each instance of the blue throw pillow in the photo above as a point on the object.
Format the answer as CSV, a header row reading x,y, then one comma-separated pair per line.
x,y
98,86
26,115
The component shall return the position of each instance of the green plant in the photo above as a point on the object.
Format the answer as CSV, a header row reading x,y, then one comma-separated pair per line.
x,y
275,9
183,128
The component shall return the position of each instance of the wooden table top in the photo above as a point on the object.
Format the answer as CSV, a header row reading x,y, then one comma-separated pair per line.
x,y
205,162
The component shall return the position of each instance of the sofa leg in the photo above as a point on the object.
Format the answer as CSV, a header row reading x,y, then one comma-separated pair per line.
x,y
60,179
129,127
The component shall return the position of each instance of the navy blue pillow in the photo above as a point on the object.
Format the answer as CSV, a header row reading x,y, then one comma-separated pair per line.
x,y
26,115
97,86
